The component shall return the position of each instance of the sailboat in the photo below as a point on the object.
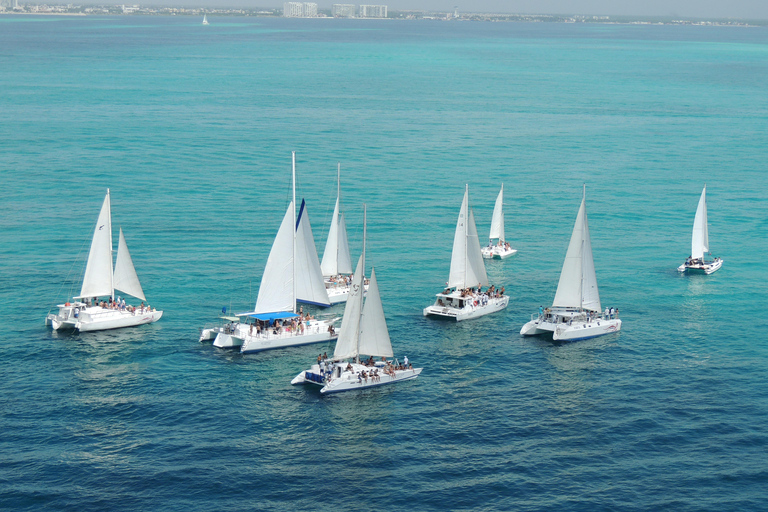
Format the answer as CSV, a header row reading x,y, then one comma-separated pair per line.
x,y
205,19
501,249
86,312
575,313
337,263
463,298
363,332
292,273
700,242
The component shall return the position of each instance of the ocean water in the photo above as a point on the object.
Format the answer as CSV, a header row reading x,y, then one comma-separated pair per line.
x,y
192,129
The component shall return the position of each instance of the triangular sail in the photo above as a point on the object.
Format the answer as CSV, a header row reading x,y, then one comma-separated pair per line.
x,y
467,266
577,287
374,336
475,265
700,238
344,259
497,221
346,344
276,289
309,277
125,277
330,255
97,281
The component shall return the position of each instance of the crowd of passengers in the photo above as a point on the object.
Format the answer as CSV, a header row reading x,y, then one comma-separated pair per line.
x,y
277,326
117,304
609,314
473,296
388,368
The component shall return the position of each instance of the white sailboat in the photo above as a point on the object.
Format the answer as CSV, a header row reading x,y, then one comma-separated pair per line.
x,y
700,242
463,298
363,332
292,273
205,19
501,249
575,313
86,312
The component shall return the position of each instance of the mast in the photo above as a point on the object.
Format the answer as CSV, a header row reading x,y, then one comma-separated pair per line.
x,y
466,236
338,199
111,251
362,286
293,258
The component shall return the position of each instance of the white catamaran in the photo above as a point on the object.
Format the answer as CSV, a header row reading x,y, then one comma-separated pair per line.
x,y
292,273
700,242
205,19
575,313
501,249
337,263
463,298
87,312
363,332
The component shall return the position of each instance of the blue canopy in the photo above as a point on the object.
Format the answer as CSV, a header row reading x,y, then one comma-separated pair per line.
x,y
271,316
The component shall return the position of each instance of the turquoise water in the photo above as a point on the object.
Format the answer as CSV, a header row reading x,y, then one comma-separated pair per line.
x,y
191,128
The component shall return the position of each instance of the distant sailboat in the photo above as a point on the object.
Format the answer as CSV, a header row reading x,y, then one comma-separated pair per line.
x,y
363,332
463,298
86,313
501,249
575,313
205,19
700,242
292,273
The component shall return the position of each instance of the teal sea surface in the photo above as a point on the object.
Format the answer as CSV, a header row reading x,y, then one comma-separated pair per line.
x,y
191,128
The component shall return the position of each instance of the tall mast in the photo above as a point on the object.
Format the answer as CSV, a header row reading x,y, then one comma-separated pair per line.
x,y
362,284
112,274
466,236
293,226
336,220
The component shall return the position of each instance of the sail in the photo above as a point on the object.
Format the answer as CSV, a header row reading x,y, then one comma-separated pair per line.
x,y
577,287
329,265
125,277
97,281
276,289
374,336
467,266
700,238
344,259
346,344
475,265
309,278
497,221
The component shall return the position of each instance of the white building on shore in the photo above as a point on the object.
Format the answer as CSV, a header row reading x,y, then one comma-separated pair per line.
x,y
300,10
373,11
343,10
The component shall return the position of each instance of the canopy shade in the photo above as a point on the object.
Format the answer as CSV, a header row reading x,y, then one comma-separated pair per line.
x,y
279,315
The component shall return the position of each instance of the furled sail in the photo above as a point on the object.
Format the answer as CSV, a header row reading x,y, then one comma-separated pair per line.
x,y
497,221
374,335
346,344
700,238
97,281
276,289
125,277
309,278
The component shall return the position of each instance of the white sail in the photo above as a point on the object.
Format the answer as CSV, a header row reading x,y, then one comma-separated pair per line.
x,y
577,287
276,289
309,278
475,265
125,278
374,335
330,255
344,260
346,344
467,266
97,281
497,221
700,238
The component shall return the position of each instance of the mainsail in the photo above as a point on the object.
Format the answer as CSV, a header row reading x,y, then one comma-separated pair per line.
x,y
700,238
577,287
336,259
467,266
346,344
125,278
497,221
276,289
97,280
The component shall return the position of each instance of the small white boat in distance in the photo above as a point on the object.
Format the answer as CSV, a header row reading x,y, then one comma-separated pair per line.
x,y
205,19
292,273
700,242
87,312
463,298
575,313
501,249
363,332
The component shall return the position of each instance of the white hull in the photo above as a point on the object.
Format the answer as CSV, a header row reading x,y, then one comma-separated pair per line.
x,y
91,319
497,253
317,332
337,381
209,334
224,340
338,293
571,326
468,311
708,267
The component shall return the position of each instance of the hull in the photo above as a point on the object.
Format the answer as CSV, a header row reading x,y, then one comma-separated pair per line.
x,y
339,381
469,311
707,267
338,293
209,334
90,319
571,326
497,253
224,340
317,332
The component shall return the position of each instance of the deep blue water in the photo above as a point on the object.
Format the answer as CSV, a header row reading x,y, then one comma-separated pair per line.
x,y
191,128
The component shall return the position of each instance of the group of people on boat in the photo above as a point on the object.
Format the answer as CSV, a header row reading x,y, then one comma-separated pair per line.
x,y
505,245
690,261
471,296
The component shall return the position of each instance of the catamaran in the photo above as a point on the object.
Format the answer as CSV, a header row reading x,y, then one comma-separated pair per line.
x,y
205,19
292,273
337,263
501,249
363,332
700,242
87,312
575,313
463,298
